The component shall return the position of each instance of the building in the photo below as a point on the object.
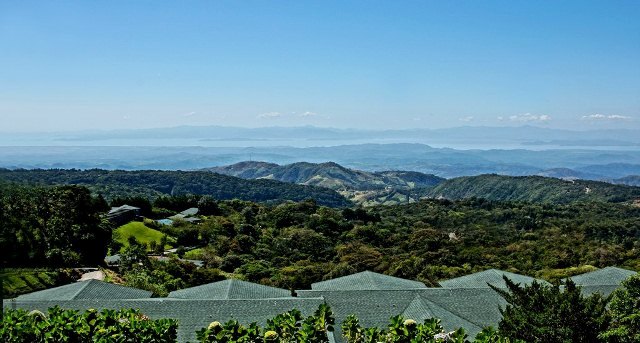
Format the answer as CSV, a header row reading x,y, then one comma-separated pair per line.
x,y
466,302
123,214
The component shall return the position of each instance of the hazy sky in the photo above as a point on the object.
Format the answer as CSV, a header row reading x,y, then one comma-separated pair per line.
x,y
374,64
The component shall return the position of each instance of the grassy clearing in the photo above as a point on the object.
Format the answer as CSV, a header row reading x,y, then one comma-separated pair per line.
x,y
141,232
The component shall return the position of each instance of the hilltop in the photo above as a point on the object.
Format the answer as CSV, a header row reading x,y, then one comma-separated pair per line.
x,y
363,187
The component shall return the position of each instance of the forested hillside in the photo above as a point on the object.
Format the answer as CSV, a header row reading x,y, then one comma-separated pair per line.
x,y
153,183
51,226
532,189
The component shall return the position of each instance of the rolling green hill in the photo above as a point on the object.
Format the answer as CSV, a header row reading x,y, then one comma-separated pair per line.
x,y
141,232
329,175
153,183
363,188
532,189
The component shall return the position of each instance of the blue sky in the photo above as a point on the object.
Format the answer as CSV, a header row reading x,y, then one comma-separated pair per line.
x,y
73,65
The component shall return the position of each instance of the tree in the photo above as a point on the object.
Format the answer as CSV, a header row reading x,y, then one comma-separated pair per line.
x,y
134,254
625,313
541,313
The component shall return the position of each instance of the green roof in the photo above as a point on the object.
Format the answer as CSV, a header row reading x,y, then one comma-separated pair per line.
x,y
609,276
90,289
230,289
603,281
367,280
468,308
421,308
490,276
192,315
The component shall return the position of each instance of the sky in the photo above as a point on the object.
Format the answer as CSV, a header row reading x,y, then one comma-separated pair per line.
x,y
78,65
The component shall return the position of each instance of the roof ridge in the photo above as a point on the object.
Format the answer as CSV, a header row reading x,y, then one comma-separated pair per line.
x,y
372,280
417,297
86,283
228,292
453,311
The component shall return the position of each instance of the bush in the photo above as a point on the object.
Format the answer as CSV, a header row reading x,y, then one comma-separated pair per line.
x,y
286,327
541,313
400,330
60,325
625,313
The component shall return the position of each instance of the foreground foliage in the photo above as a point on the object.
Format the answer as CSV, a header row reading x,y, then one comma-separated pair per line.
x,y
625,313
91,326
541,313
51,226
285,327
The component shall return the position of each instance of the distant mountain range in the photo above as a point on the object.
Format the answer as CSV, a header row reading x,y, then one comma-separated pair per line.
x,y
305,136
443,162
631,180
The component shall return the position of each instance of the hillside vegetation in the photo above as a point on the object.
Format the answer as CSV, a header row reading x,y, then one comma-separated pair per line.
x,y
153,183
536,189
17,281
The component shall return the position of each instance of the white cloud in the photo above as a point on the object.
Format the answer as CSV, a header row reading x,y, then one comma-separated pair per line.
x,y
188,114
528,117
269,115
599,116
308,114
616,116
466,119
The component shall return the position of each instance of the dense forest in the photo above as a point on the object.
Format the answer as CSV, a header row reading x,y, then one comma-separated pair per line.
x,y
291,245
52,226
152,183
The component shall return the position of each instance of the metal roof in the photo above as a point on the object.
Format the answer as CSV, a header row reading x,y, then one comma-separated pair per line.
x,y
230,289
367,280
490,276
90,289
602,277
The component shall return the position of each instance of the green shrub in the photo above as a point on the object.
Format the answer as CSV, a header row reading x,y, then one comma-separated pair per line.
x,y
60,325
286,327
625,313
401,330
